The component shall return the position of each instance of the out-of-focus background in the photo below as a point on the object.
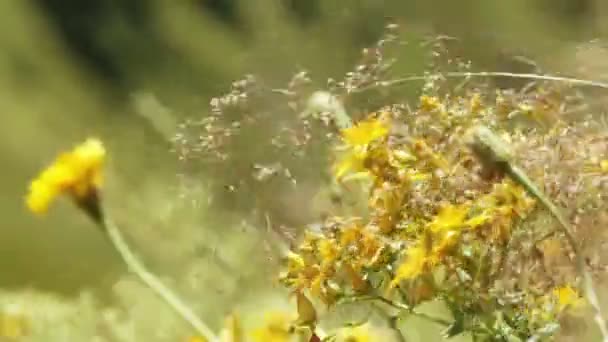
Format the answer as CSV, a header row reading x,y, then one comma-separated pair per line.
x,y
71,69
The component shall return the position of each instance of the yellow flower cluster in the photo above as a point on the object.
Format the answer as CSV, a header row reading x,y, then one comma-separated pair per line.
x,y
339,259
77,173
497,210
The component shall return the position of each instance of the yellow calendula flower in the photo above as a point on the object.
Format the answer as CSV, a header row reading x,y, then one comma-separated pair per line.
x,y
364,132
76,173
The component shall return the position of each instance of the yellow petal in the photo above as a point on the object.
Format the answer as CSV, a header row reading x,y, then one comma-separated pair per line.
x,y
478,220
364,132
76,173
412,267
449,217
40,197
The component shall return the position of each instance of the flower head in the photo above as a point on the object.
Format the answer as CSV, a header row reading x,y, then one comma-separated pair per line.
x,y
413,266
357,140
566,296
76,173
364,132
449,217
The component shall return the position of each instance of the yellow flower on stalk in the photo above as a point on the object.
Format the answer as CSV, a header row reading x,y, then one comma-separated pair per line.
x,y
357,138
328,250
429,103
480,219
364,132
77,173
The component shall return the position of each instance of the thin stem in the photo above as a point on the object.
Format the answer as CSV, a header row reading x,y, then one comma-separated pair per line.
x,y
573,81
401,307
493,149
152,281
566,227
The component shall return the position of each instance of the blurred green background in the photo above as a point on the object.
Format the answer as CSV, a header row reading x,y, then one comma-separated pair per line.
x,y
70,69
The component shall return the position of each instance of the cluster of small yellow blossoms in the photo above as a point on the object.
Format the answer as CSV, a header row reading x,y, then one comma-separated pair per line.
x,y
348,249
432,208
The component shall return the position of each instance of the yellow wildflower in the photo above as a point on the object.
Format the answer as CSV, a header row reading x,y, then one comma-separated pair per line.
x,y
364,132
413,266
295,262
328,250
566,296
357,138
475,102
429,103
450,217
76,173
351,234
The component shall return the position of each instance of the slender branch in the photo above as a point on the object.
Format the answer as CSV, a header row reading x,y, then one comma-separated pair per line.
x,y
493,74
401,307
155,284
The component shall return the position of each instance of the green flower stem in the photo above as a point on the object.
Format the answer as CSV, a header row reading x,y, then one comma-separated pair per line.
x,y
399,306
152,281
